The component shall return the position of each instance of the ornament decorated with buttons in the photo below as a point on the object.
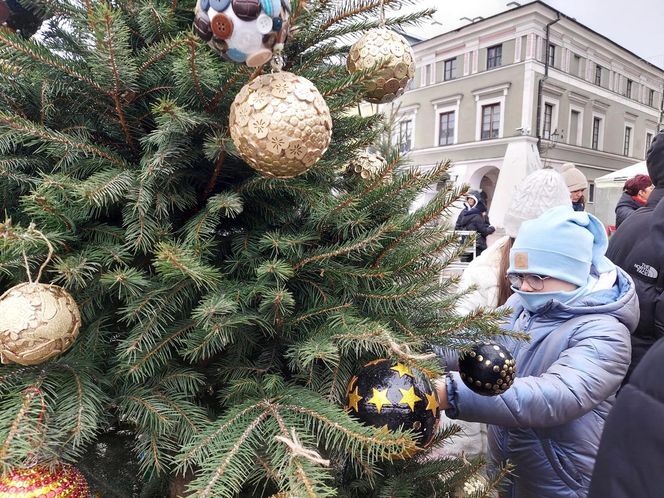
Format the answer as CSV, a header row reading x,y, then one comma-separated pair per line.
x,y
243,31
280,124
487,369
390,57
368,165
392,395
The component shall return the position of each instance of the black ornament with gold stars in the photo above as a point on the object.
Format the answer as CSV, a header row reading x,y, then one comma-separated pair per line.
x,y
488,369
395,396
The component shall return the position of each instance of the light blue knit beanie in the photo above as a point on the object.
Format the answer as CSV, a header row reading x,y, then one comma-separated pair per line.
x,y
561,243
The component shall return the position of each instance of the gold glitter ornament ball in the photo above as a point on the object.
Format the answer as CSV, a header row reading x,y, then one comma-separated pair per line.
x,y
280,124
64,481
393,58
37,322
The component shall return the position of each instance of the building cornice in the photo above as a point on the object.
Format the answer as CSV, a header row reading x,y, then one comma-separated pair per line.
x,y
533,17
447,99
501,87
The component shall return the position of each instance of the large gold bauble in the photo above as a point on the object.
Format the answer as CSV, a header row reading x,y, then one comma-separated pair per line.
x,y
280,124
393,59
37,322
64,481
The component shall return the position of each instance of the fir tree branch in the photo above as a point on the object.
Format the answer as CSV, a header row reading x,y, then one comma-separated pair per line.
x,y
378,182
306,316
163,51
224,89
31,50
221,469
386,444
117,84
215,174
293,445
89,15
347,249
155,314
140,363
359,9
24,411
419,224
30,129
194,72
195,450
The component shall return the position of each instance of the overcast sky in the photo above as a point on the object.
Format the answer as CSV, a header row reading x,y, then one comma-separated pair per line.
x,y
637,25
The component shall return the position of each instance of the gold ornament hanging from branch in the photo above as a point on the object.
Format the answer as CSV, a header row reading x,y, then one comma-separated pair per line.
x,y
37,321
390,57
280,124
367,165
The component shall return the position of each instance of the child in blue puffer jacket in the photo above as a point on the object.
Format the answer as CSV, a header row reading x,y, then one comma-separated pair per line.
x,y
579,310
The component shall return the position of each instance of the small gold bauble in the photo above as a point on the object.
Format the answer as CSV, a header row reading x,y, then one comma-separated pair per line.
x,y
280,124
366,165
37,322
393,58
64,481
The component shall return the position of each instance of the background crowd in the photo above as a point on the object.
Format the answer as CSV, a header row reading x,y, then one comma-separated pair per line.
x,y
594,310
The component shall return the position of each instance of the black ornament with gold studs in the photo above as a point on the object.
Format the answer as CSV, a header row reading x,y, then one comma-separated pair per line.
x,y
392,395
19,18
488,369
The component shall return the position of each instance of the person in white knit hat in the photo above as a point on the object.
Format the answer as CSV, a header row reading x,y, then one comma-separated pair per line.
x,y
576,184
537,193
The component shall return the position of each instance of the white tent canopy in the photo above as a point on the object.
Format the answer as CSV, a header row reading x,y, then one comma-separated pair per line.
x,y
617,178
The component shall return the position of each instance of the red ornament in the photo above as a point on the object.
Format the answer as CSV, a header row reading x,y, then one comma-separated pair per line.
x,y
64,481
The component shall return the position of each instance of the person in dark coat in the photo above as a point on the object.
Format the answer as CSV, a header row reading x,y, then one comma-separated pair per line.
x,y
635,195
473,218
631,452
638,248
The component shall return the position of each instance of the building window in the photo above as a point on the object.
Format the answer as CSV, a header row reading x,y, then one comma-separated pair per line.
x,y
574,127
591,193
494,56
552,54
405,135
548,118
649,137
576,66
627,145
449,69
628,88
651,97
446,128
427,75
490,121
597,127
598,75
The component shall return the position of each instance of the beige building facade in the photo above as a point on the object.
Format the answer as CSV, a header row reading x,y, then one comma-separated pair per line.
x,y
531,77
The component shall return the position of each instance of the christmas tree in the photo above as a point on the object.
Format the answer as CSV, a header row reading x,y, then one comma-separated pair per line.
x,y
223,312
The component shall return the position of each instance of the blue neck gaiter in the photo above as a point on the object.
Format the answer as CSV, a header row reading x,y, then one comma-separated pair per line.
x,y
536,301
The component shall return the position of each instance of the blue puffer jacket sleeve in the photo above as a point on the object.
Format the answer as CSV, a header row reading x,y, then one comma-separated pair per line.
x,y
593,361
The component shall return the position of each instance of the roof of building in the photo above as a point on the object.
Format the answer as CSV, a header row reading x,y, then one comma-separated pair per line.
x,y
559,13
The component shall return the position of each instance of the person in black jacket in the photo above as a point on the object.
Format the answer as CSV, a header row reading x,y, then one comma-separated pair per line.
x,y
635,195
638,248
631,452
473,218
